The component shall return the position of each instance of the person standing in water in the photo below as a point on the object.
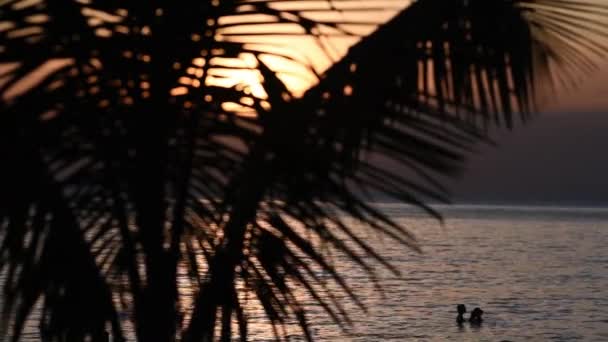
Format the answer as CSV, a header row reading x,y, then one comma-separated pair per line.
x,y
461,309
476,316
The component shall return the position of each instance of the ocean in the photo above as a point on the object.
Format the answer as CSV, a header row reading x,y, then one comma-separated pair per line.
x,y
539,273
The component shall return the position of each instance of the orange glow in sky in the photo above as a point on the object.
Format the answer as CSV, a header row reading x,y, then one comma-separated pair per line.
x,y
311,56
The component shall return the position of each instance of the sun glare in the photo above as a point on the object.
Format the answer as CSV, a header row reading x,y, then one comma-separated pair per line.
x,y
296,57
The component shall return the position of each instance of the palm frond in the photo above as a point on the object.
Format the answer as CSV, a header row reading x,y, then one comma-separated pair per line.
x,y
130,107
418,94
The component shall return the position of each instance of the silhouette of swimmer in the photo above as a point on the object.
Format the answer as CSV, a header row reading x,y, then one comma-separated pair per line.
x,y
476,316
461,308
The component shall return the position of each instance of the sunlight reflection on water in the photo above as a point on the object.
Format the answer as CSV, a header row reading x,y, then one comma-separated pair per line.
x,y
538,273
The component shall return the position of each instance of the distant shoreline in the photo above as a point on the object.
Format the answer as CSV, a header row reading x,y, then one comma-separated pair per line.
x,y
539,204
521,207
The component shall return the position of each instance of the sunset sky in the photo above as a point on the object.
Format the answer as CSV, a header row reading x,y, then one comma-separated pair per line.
x,y
579,112
559,157
590,96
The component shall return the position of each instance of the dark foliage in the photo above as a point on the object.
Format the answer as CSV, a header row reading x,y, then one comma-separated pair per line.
x,y
130,160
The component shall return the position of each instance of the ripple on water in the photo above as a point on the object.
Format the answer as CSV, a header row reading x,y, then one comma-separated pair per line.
x,y
538,273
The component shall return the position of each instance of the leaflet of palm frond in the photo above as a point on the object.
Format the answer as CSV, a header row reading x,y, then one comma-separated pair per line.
x,y
36,224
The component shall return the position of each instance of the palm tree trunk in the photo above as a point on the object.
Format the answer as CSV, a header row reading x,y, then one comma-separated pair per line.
x,y
157,314
156,317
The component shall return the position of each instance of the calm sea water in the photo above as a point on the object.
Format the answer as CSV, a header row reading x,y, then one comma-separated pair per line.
x,y
539,273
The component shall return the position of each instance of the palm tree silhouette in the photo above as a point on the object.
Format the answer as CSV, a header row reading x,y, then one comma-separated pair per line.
x,y
131,158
